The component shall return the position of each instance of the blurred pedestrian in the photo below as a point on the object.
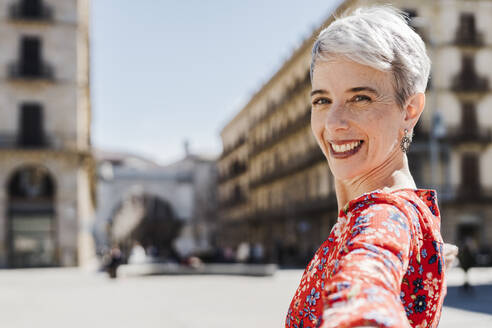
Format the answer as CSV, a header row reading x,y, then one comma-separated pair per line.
x,y
243,252
114,261
257,253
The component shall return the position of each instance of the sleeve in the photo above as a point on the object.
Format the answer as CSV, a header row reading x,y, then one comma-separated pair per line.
x,y
363,288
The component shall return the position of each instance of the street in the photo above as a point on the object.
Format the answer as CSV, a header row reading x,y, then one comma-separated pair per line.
x,y
74,298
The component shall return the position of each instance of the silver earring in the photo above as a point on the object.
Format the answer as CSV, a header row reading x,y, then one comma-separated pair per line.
x,y
405,142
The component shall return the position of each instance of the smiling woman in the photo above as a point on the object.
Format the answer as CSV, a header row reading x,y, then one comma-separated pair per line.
x,y
382,264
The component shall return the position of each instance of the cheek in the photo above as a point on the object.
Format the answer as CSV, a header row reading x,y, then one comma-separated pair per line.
x,y
384,134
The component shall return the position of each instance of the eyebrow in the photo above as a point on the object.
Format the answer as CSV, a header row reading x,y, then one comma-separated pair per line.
x,y
356,89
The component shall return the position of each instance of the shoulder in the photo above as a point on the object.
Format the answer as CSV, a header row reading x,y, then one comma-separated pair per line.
x,y
382,211
377,201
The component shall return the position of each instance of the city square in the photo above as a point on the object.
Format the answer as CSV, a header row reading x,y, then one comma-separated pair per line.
x,y
71,297
148,184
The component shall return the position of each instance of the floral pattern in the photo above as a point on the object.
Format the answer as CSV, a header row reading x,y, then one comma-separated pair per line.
x,y
381,265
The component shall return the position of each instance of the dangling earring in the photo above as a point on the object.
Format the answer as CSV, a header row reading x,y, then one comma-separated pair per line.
x,y
405,142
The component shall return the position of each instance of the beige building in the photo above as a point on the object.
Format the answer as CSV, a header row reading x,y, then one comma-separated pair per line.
x,y
46,167
275,185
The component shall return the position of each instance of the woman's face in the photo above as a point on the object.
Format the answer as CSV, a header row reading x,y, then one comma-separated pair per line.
x,y
354,117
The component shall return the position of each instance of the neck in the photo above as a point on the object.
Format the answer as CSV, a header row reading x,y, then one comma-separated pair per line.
x,y
394,174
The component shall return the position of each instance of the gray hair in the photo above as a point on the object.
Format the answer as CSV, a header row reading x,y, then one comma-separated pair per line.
x,y
378,37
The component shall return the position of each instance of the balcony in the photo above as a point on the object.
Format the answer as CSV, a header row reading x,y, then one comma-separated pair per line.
x,y
235,200
13,141
461,134
468,80
239,142
464,194
467,34
280,134
297,163
310,206
236,169
298,85
30,11
20,71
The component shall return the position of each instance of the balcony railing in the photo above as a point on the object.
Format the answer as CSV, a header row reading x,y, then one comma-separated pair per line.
x,y
288,93
310,157
467,34
468,79
276,136
464,193
17,71
235,200
236,169
25,11
13,141
239,142
460,134
310,206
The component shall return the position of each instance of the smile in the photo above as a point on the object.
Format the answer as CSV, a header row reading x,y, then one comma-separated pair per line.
x,y
345,150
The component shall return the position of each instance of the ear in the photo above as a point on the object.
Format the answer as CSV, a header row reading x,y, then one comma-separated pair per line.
x,y
413,109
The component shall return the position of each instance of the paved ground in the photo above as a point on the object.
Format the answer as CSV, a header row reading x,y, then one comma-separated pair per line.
x,y
73,298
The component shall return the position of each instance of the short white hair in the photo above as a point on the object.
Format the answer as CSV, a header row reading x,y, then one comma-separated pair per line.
x,y
381,38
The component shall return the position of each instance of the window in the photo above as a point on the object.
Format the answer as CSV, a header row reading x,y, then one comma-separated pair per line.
x,y
31,8
31,132
469,123
237,193
466,33
470,175
30,64
468,79
30,55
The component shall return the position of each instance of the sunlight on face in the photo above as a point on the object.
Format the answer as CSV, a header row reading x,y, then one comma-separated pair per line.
x,y
354,117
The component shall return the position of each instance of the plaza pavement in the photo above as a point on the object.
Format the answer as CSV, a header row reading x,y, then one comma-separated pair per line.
x,y
74,298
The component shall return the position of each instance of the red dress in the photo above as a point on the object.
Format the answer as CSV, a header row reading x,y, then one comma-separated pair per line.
x,y
382,265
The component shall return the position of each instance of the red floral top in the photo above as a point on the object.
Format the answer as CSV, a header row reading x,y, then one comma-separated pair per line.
x,y
382,265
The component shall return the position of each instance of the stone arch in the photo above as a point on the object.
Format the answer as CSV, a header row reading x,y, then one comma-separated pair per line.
x,y
31,217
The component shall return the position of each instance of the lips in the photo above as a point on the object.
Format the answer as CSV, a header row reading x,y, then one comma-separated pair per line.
x,y
345,149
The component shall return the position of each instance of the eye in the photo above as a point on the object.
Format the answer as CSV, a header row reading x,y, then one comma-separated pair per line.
x,y
359,98
321,101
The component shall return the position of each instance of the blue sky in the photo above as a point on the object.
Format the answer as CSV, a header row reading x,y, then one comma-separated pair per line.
x,y
166,70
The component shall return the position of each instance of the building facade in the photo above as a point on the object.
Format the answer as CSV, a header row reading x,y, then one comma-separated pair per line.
x,y
275,186
47,193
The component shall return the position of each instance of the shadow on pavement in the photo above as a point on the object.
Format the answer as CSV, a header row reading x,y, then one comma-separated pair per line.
x,y
477,299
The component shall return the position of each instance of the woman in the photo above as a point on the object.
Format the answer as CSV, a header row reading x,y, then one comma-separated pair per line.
x,y
382,264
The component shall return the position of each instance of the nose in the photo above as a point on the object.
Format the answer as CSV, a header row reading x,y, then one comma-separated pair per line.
x,y
335,119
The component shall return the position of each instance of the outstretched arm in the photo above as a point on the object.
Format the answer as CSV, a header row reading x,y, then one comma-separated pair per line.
x,y
364,288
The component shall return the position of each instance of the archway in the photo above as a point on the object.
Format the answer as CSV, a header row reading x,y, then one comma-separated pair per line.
x,y
31,227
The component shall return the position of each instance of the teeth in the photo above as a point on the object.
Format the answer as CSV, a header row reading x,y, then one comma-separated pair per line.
x,y
345,147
